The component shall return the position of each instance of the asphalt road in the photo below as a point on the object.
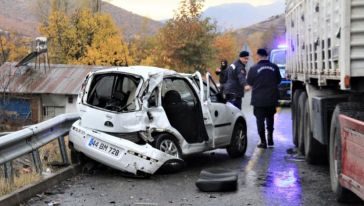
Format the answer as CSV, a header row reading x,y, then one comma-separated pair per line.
x,y
266,177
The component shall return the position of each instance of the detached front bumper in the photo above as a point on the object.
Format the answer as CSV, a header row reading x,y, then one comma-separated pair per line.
x,y
116,152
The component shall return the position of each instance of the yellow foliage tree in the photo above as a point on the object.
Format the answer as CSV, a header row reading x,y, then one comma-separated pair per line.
x,y
13,47
226,47
85,38
185,42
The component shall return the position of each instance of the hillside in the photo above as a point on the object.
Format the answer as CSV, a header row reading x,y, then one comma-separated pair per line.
x,y
21,16
238,15
268,34
276,22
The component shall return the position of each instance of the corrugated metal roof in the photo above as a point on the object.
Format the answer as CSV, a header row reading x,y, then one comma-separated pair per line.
x,y
59,79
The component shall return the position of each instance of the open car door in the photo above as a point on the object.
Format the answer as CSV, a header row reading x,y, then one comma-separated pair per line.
x,y
221,116
196,78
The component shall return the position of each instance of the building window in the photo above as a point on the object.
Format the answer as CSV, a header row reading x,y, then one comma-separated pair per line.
x,y
70,99
52,111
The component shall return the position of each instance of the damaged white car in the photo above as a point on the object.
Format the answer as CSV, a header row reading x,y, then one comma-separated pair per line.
x,y
137,119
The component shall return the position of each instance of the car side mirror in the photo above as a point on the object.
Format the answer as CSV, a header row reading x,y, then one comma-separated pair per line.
x,y
221,97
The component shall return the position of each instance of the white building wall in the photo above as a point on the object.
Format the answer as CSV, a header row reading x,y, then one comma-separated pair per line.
x,y
55,104
71,107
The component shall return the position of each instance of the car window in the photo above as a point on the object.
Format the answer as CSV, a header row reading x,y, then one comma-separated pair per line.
x,y
113,92
180,86
103,86
213,88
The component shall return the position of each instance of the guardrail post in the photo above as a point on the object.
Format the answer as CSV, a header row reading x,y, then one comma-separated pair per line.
x,y
62,148
37,162
8,172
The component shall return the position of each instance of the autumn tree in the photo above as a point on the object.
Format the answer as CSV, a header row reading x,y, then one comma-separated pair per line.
x,y
142,46
226,47
143,49
85,38
106,47
13,47
185,42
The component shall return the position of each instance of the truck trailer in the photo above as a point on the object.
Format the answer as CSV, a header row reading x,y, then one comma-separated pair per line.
x,y
325,61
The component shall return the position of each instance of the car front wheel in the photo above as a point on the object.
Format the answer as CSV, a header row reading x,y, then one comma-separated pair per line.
x,y
239,141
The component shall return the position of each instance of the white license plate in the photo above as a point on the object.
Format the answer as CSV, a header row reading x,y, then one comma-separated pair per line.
x,y
104,147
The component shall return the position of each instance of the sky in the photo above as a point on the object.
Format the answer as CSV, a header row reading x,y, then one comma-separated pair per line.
x,y
164,9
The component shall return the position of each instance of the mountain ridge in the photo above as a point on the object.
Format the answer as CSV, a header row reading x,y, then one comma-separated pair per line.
x,y
20,16
242,14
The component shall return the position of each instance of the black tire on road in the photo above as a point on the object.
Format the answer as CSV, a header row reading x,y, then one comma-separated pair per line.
x,y
217,180
300,121
314,151
294,106
168,144
239,141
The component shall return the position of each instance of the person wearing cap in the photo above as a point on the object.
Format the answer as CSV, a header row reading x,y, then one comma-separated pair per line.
x,y
264,78
236,80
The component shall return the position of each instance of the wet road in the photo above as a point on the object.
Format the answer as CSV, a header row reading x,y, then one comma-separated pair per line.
x,y
266,177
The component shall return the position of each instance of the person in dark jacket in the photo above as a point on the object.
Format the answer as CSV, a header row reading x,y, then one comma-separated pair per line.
x,y
236,80
264,78
221,72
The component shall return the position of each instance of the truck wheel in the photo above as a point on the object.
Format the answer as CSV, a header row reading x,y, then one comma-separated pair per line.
x,y
313,149
239,141
335,158
294,106
168,144
300,121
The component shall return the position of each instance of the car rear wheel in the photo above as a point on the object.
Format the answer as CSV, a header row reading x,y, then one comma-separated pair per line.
x,y
239,141
168,144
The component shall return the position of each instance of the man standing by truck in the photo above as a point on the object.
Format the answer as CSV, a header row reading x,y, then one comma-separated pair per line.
x,y
236,80
264,77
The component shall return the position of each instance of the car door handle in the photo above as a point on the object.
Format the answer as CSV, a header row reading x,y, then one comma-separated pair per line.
x,y
216,113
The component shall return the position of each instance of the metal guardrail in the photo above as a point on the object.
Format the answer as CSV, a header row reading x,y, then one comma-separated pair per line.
x,y
4,133
30,139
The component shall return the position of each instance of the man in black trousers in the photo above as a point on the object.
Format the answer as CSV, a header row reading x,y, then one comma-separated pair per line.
x,y
264,78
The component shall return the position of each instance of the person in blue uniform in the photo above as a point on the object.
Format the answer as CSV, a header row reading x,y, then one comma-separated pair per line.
x,y
236,80
264,78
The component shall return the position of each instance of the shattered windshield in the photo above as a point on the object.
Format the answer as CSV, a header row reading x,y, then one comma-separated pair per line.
x,y
115,92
